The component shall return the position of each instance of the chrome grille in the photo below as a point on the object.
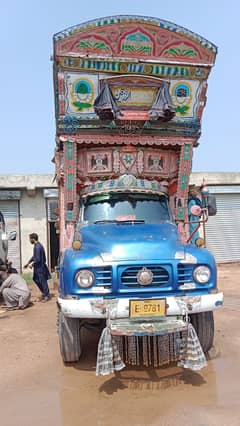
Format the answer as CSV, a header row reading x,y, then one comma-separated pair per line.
x,y
185,273
160,276
103,276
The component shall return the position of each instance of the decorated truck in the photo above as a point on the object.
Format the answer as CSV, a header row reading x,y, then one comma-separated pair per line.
x,y
129,97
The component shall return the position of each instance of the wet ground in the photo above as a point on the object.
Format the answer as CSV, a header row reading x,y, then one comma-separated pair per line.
x,y
36,388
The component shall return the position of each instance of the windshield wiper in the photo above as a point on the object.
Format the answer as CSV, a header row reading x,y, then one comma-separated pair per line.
x,y
119,222
105,221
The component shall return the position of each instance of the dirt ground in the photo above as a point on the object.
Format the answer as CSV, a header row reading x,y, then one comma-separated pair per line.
x,y
36,388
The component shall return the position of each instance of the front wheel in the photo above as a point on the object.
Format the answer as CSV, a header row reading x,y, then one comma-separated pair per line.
x,y
203,322
69,338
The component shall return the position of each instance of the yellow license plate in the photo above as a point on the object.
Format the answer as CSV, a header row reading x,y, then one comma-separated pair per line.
x,y
147,308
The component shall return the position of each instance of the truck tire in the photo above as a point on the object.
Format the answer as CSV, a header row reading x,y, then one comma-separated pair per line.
x,y
69,338
203,322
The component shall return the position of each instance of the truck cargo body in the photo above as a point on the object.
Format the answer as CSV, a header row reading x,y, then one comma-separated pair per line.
x,y
129,96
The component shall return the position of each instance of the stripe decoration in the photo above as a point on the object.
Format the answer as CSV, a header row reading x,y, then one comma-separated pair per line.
x,y
70,157
183,180
126,183
61,93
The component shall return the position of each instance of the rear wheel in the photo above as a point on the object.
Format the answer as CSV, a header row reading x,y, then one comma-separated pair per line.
x,y
203,322
69,338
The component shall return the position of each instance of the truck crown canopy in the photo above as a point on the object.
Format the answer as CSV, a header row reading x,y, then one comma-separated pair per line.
x,y
133,35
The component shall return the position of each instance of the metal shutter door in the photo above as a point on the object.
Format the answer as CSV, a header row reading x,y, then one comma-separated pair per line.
x,y
10,212
223,230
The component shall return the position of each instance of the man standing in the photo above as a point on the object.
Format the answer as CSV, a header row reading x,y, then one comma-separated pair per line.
x,y
14,290
41,273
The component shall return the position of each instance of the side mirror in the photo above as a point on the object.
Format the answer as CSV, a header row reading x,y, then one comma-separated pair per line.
x,y
212,205
12,235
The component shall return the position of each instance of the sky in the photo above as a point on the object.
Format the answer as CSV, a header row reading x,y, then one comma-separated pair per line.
x,y
27,120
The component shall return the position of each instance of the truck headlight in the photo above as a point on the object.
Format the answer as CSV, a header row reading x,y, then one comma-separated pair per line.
x,y
202,274
85,278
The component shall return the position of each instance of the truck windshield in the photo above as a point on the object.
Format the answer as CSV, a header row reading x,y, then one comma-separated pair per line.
x,y
125,207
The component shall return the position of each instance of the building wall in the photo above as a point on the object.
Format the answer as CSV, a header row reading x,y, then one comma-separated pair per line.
x,y
32,210
33,218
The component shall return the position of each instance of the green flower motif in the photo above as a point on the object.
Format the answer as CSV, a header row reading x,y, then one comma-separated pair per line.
x,y
182,109
181,52
81,105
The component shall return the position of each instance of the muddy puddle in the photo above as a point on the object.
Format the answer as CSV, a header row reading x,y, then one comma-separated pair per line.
x,y
73,395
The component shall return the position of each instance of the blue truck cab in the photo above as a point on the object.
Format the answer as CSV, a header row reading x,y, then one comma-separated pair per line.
x,y
127,249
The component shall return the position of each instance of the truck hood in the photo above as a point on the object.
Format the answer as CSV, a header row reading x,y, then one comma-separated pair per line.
x,y
116,242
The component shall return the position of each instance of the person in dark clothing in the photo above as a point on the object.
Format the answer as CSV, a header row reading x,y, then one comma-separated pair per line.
x,y
41,274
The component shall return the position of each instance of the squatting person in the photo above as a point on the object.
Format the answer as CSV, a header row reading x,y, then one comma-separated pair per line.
x,y
14,289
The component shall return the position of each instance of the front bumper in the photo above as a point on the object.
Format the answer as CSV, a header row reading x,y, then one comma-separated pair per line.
x,y
99,307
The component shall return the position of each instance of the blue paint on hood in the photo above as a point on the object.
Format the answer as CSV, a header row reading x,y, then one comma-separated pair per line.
x,y
131,241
